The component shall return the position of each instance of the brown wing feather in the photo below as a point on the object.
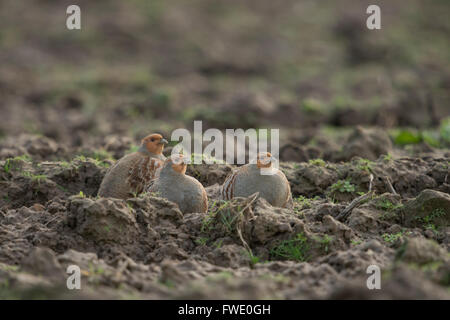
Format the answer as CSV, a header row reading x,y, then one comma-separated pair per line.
x,y
289,201
227,187
205,200
142,173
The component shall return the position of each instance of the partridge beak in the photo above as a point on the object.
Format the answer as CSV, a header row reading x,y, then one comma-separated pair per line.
x,y
163,141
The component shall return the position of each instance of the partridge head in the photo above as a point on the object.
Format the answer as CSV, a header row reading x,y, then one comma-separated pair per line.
x,y
153,145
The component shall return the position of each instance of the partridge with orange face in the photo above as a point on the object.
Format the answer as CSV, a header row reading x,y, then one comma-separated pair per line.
x,y
174,185
131,174
261,177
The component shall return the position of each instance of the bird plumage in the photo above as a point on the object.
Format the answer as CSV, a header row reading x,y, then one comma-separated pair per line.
x,y
173,184
131,174
248,179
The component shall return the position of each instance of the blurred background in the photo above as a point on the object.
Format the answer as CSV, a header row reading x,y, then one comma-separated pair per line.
x,y
310,68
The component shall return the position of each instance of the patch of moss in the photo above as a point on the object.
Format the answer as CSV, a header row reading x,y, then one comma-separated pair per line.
x,y
317,162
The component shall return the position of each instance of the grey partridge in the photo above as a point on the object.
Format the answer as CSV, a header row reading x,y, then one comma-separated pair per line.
x,y
261,177
173,184
131,174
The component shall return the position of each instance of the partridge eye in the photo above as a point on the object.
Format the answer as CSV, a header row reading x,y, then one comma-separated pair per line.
x,y
153,139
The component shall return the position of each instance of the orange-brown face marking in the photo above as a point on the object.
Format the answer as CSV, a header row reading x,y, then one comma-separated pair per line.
x,y
154,143
264,160
179,164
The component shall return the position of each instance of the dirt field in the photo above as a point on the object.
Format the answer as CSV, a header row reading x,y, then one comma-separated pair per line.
x,y
362,114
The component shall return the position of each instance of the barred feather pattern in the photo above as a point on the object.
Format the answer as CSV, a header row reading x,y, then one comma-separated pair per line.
x,y
205,201
227,187
142,173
